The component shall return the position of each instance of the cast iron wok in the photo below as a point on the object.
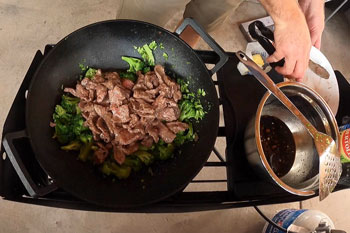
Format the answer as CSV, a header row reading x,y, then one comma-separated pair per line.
x,y
101,45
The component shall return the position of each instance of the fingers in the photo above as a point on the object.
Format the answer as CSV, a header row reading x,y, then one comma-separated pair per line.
x,y
299,71
317,43
275,57
288,67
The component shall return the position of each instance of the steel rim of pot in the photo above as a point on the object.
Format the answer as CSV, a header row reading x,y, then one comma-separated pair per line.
x,y
278,181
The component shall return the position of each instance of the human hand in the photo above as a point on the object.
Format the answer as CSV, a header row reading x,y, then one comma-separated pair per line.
x,y
314,15
293,43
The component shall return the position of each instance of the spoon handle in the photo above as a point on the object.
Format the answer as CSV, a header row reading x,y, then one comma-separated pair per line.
x,y
266,81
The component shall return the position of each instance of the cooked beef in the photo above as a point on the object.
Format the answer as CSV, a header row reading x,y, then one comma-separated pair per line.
x,y
129,149
100,154
112,76
168,114
177,126
91,123
146,96
98,77
124,114
133,120
151,80
117,95
121,113
165,133
118,154
101,93
141,107
147,141
153,132
126,138
128,84
105,134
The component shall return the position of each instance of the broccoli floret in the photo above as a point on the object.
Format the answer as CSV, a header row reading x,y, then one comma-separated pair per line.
x,y
133,162
69,122
135,64
184,136
146,54
90,73
70,104
146,69
165,55
63,133
145,157
191,109
165,151
85,137
73,145
153,45
84,151
120,171
128,75
161,46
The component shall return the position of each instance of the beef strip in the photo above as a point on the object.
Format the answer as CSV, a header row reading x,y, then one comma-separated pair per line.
x,y
164,132
101,93
100,154
146,96
177,126
168,114
147,141
126,138
105,134
131,148
121,113
118,154
91,123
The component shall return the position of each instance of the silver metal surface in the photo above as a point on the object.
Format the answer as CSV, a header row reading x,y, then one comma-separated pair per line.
x,y
330,165
302,178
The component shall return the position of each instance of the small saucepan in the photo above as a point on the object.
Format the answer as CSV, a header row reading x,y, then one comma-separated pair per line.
x,y
279,147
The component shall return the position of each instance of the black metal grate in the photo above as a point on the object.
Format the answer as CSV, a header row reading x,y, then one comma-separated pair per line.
x,y
242,186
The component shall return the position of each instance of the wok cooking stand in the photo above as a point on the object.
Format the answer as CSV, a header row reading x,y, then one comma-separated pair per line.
x,y
239,97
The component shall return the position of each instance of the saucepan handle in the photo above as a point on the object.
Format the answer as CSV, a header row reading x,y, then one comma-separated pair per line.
x,y
208,39
30,185
264,36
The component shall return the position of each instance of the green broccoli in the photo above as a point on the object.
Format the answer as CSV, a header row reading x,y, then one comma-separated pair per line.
x,y
146,54
165,151
134,162
165,55
85,151
70,104
90,73
145,157
73,145
69,122
120,171
153,45
128,75
184,136
135,64
146,69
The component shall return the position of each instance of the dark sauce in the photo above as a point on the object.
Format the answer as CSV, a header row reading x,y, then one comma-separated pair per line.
x,y
278,144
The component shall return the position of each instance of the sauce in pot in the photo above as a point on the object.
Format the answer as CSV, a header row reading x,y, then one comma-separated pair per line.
x,y
278,144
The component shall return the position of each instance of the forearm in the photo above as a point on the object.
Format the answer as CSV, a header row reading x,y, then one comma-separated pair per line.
x,y
283,11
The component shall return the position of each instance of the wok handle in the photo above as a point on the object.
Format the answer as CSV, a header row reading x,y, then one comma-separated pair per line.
x,y
208,39
264,36
33,189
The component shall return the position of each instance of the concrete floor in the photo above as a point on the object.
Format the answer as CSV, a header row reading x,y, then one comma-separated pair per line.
x,y
26,26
